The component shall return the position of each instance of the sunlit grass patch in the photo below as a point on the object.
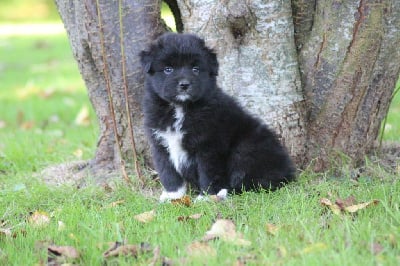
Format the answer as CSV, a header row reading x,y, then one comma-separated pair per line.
x,y
41,95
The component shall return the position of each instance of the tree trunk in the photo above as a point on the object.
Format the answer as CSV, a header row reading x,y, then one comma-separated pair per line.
x,y
349,59
106,37
258,63
321,75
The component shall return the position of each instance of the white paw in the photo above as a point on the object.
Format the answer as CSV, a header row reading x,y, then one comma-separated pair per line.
x,y
223,194
171,195
201,198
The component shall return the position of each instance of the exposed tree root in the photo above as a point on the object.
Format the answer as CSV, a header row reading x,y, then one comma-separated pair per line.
x,y
81,174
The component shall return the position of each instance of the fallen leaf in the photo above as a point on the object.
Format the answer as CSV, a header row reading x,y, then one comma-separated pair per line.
x,y
376,248
200,249
39,218
168,262
145,217
20,117
61,226
245,260
126,250
196,216
226,230
314,248
64,251
272,229
185,200
73,237
3,124
346,205
5,231
156,256
78,153
334,208
83,118
116,203
343,203
216,198
47,93
282,252
392,240
27,125
357,207
190,217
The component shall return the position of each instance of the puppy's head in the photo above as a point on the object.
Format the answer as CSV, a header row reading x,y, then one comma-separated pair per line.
x,y
180,67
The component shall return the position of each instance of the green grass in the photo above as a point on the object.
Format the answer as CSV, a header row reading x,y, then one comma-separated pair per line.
x,y
41,95
392,127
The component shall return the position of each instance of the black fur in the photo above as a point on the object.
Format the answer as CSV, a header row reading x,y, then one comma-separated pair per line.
x,y
225,147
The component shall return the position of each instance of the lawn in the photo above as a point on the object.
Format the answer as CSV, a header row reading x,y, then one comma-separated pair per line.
x,y
46,118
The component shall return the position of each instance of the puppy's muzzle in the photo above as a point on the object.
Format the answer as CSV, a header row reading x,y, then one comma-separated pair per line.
x,y
184,85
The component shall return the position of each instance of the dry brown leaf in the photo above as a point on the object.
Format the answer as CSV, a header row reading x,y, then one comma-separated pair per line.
x,y
196,216
169,262
216,198
346,205
200,249
190,217
126,250
5,232
39,218
343,203
392,240
334,208
245,260
185,200
27,125
357,207
226,230
64,251
116,203
272,229
78,153
156,256
47,93
316,247
282,252
145,217
376,248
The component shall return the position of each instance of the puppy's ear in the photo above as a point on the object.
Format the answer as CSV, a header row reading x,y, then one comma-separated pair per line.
x,y
146,59
213,63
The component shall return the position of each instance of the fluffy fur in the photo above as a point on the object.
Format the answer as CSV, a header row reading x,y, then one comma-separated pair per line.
x,y
199,134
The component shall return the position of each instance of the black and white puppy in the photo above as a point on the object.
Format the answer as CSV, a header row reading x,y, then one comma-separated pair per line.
x,y
200,135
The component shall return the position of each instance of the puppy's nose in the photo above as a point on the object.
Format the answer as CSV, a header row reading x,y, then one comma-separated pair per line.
x,y
184,84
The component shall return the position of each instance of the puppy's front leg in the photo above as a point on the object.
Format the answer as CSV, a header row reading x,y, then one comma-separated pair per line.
x,y
173,183
212,174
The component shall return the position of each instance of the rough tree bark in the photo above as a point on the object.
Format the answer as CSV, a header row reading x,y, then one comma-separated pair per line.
x,y
320,73
349,59
106,37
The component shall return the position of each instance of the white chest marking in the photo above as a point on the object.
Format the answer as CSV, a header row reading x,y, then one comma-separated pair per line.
x,y
171,138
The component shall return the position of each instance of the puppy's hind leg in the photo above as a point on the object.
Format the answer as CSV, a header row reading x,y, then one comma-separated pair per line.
x,y
211,173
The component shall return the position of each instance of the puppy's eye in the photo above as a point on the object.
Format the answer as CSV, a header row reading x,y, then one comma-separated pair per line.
x,y
196,70
168,70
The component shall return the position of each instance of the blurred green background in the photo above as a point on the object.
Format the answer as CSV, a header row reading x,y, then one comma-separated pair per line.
x,y
22,11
